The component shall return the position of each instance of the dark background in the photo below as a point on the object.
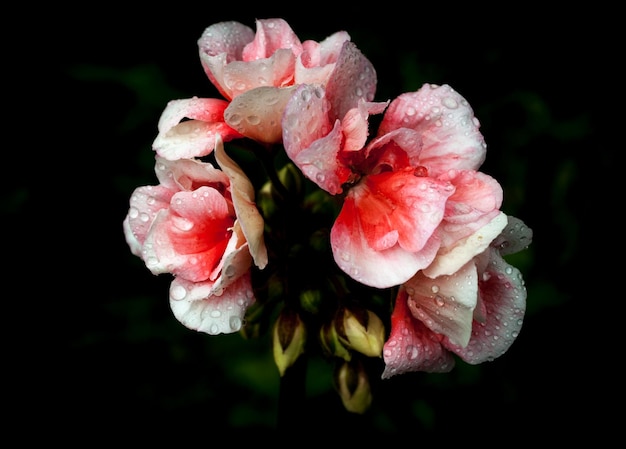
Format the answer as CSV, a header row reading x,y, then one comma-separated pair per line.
x,y
110,359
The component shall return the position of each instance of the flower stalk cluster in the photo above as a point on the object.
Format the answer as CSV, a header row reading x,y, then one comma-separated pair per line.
x,y
281,209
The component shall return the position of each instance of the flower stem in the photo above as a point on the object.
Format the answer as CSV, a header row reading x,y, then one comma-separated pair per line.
x,y
292,397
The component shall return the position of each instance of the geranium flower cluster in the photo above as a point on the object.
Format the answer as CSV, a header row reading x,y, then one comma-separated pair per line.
x,y
280,207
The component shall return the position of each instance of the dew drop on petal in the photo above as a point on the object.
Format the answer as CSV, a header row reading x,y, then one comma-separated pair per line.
x,y
450,102
411,352
133,212
235,323
178,292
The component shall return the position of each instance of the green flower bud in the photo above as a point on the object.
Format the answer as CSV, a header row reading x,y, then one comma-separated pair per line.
x,y
291,177
265,202
363,331
289,338
310,301
352,384
331,342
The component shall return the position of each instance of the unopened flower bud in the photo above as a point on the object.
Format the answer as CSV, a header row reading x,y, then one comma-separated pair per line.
x,y
310,301
352,384
291,177
289,338
266,204
364,332
331,342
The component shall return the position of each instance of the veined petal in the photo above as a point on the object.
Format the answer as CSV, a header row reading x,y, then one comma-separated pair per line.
x,y
317,60
476,194
189,174
514,238
450,137
381,269
248,215
199,306
189,238
276,71
411,345
220,44
450,259
353,80
133,242
145,203
311,141
179,139
503,296
401,204
258,112
271,36
445,304
355,124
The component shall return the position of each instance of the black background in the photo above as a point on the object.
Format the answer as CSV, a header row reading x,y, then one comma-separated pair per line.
x,y
99,352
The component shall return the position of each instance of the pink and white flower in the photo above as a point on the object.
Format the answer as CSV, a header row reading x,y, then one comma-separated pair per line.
x,y
475,313
412,192
201,225
256,73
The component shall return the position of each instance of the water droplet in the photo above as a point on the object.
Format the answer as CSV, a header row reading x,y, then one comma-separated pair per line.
x,y
411,352
182,223
178,292
253,119
235,323
450,102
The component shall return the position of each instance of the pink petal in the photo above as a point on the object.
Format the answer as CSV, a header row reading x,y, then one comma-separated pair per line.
x,y
359,260
476,195
189,238
445,304
400,202
178,139
411,345
131,238
503,295
317,60
248,215
311,141
189,174
200,307
271,35
450,137
450,259
353,80
145,203
257,113
514,238
220,44
355,125
277,71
